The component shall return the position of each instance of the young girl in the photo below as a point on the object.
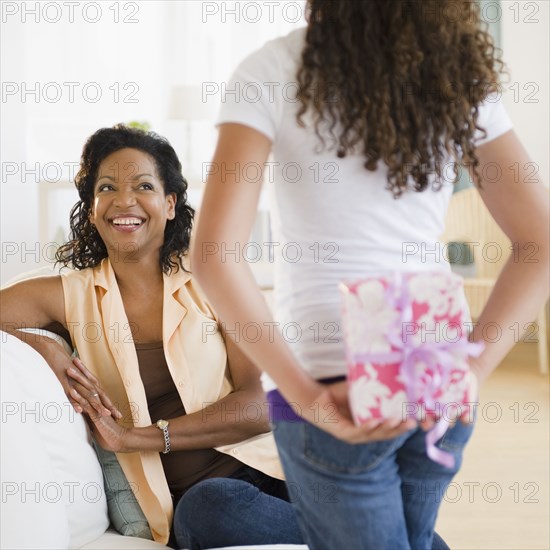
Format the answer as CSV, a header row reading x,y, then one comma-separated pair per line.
x,y
366,112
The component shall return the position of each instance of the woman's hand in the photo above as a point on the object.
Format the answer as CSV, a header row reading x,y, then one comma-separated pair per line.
x,y
87,386
329,410
69,371
62,365
107,432
89,396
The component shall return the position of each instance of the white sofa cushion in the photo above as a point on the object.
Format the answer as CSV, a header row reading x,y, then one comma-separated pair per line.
x,y
48,446
111,540
26,469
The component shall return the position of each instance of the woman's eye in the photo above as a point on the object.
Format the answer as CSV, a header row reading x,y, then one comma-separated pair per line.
x,y
104,187
146,186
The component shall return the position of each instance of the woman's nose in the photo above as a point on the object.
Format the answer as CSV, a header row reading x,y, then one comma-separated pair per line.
x,y
125,197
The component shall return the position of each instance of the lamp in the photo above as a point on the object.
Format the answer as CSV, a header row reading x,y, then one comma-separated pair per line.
x,y
187,103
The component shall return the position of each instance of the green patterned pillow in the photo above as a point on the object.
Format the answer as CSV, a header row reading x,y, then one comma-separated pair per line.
x,y
125,512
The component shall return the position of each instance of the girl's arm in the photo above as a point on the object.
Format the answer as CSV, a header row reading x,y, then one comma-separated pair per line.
x,y
521,208
226,216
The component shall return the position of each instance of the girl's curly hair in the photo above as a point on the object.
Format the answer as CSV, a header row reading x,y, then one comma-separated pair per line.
x,y
398,80
85,247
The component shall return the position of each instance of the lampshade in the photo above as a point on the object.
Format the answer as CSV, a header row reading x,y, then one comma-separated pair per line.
x,y
188,103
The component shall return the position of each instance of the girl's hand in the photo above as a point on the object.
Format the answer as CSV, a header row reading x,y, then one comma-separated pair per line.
x,y
88,387
468,416
329,410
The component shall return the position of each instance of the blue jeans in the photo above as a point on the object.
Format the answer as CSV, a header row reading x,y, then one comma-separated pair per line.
x,y
247,508
380,495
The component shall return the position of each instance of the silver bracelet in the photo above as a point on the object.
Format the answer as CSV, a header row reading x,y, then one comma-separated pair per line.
x,y
162,425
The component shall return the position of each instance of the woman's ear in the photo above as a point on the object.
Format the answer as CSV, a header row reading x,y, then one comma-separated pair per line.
x,y
171,200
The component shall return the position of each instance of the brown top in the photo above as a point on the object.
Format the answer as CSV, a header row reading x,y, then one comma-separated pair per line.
x,y
182,468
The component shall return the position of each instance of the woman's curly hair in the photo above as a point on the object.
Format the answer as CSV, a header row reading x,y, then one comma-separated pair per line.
x,y
85,247
399,81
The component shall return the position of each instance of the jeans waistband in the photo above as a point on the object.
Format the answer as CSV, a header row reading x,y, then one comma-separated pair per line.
x,y
281,410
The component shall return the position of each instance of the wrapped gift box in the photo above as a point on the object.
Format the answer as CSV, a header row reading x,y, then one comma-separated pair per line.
x,y
407,346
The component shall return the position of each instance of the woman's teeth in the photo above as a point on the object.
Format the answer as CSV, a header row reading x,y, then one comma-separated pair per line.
x,y
127,221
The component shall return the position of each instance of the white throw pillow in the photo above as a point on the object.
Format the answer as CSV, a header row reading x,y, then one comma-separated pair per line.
x,y
51,446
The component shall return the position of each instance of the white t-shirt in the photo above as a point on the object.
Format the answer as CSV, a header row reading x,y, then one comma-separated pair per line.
x,y
332,219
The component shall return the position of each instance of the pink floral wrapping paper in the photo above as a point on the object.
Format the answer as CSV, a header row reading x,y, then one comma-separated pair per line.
x,y
406,346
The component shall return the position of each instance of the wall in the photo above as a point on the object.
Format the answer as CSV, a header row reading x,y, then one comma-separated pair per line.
x,y
526,45
135,52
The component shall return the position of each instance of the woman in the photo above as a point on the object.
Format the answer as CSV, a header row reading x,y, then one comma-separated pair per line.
x,y
391,96
181,406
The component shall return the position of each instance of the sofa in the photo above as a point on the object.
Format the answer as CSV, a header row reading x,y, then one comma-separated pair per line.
x,y
52,485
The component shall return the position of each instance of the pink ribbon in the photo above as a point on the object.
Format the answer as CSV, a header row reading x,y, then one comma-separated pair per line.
x,y
438,356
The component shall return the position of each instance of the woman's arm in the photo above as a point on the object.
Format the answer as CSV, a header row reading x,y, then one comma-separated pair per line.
x,y
37,303
33,303
520,206
238,416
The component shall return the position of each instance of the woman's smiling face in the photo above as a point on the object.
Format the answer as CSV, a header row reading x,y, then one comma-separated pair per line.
x,y
130,208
